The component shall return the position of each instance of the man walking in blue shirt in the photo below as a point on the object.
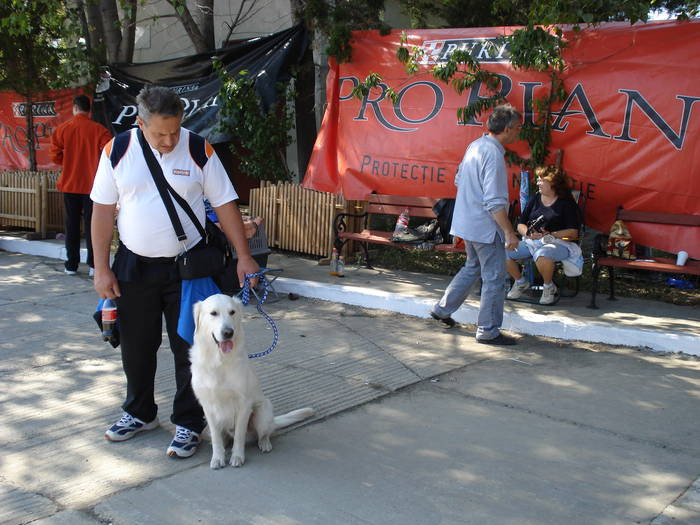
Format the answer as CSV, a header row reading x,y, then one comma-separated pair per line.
x,y
481,219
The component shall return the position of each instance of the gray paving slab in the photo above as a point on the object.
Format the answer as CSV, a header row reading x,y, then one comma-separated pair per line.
x,y
427,456
684,511
31,278
415,424
65,387
68,517
16,505
637,394
423,346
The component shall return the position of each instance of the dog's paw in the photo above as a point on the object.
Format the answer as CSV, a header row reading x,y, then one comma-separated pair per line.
x,y
237,461
217,463
264,444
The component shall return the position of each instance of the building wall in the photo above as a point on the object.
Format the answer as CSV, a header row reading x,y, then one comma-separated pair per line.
x,y
164,37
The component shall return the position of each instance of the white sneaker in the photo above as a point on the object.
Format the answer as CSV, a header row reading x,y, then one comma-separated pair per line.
x,y
127,427
184,444
549,294
70,272
91,272
517,290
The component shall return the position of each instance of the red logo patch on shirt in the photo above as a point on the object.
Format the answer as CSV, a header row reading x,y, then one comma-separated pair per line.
x,y
183,173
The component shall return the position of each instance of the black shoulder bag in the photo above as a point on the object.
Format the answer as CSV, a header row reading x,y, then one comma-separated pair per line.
x,y
207,259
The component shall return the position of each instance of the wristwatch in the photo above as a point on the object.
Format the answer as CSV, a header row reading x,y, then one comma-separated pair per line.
x,y
548,238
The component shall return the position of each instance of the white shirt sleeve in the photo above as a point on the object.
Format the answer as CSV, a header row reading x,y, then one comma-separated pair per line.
x,y
104,188
217,186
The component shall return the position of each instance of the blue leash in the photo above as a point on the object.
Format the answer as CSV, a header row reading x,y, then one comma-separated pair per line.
x,y
245,299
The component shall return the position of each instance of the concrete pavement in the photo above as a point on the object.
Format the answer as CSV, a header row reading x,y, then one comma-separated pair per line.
x,y
415,424
627,321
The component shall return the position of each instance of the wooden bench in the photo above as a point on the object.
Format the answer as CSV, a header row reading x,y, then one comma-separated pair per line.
x,y
385,205
652,264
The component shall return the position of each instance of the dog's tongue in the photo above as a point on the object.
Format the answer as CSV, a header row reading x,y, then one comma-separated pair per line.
x,y
226,346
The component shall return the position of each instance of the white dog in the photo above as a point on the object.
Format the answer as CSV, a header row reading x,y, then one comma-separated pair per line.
x,y
226,384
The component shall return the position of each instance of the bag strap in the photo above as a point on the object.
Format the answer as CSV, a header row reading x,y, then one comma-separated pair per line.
x,y
164,188
120,144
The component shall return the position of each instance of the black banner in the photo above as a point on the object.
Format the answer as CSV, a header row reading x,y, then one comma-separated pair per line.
x,y
268,60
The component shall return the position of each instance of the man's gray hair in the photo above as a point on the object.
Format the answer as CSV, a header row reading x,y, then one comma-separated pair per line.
x,y
502,118
163,101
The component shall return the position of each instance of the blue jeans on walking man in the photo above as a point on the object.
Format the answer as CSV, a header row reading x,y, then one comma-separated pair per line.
x,y
488,261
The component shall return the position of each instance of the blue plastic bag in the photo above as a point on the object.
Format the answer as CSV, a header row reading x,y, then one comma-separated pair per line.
x,y
193,291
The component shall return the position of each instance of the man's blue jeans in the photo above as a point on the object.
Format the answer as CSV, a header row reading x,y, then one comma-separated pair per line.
x,y
488,261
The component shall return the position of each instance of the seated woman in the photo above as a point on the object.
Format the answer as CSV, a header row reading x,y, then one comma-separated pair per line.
x,y
550,217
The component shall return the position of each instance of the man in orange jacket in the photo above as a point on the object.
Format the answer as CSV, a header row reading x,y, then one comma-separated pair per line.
x,y
76,145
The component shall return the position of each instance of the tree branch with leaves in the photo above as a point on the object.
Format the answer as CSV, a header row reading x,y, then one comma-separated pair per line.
x,y
262,135
40,51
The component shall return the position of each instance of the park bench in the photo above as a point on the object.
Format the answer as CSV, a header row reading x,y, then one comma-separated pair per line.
x,y
652,264
385,205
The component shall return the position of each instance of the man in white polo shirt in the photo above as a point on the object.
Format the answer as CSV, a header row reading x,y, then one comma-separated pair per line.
x,y
143,279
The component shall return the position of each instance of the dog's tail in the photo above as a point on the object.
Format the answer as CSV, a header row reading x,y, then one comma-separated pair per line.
x,y
292,417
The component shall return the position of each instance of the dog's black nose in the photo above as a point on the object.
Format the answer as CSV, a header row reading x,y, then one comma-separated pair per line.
x,y
228,333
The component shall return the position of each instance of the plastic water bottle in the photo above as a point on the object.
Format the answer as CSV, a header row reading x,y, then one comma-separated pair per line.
x,y
340,269
109,319
334,262
402,222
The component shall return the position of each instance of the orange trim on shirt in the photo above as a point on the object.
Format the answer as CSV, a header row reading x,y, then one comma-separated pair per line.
x,y
108,147
208,149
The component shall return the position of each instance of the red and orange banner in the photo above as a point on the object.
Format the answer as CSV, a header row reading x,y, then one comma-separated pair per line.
x,y
49,109
629,129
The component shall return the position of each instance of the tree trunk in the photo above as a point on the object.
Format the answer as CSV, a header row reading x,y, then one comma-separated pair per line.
x,y
30,133
205,20
95,30
110,29
183,14
92,27
126,46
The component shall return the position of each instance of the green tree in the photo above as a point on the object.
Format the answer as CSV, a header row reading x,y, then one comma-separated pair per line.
x,y
336,20
39,50
466,13
596,11
262,135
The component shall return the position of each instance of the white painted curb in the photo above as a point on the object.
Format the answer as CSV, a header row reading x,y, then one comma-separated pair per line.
x,y
43,249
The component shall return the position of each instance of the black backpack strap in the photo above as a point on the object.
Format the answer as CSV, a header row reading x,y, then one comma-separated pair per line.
x,y
120,144
198,150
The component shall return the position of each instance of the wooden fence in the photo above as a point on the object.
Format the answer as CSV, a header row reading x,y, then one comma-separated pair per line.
x,y
29,199
297,219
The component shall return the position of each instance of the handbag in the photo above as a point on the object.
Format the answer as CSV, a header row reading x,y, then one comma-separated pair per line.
x,y
210,257
444,211
620,243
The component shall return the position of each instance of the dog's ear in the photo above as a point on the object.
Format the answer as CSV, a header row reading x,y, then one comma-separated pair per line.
x,y
196,312
237,303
